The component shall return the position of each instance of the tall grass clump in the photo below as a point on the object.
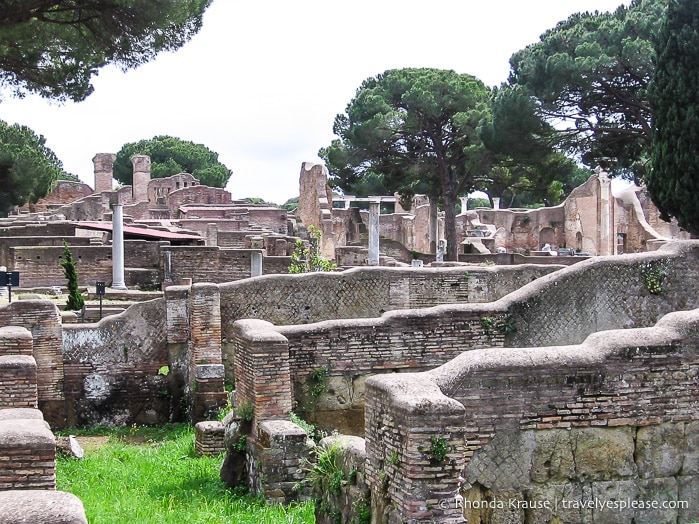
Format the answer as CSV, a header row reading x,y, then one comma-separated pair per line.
x,y
152,477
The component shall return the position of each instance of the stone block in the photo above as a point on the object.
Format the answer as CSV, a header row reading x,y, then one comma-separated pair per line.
x,y
210,371
20,414
661,491
41,506
688,491
660,450
552,459
604,453
691,456
611,494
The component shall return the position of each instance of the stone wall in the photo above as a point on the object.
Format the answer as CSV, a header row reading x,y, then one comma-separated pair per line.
x,y
604,293
112,369
543,434
366,292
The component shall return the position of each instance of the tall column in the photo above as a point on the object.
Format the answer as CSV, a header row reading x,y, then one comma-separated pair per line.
x,y
118,247
104,171
141,177
256,263
374,211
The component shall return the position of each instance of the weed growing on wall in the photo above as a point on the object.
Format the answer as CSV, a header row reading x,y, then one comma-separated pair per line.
x,y
439,449
305,260
652,276
317,384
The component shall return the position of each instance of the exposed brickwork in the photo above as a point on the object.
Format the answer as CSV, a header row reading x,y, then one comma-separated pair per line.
x,y
112,368
206,366
634,378
262,370
603,293
16,340
28,453
276,458
42,319
41,266
17,381
366,292
208,438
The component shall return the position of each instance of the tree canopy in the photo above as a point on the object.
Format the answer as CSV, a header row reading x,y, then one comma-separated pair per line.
x,y
54,47
673,181
417,128
528,169
28,169
589,78
171,156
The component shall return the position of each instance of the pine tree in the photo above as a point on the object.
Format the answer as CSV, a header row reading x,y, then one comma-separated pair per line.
x,y
75,298
673,181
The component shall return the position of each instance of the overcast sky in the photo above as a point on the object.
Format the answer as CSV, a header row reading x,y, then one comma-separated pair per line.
x,y
262,81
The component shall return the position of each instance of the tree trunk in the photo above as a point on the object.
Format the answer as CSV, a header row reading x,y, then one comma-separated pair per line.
x,y
450,226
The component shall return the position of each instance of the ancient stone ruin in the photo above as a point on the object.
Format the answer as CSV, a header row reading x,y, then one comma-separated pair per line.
x,y
532,388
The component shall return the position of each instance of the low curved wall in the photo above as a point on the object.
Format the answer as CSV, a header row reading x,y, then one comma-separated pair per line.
x,y
605,431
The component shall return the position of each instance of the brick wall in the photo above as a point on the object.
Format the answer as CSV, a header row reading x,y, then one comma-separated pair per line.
x,y
7,243
17,380
208,264
31,465
41,266
612,418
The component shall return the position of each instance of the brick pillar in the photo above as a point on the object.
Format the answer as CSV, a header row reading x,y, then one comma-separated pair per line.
x,y
262,376
43,320
206,372
141,177
406,416
104,171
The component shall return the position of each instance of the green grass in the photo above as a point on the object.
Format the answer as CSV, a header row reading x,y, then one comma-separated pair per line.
x,y
160,481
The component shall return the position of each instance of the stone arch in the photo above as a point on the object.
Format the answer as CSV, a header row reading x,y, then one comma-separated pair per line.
x,y
547,236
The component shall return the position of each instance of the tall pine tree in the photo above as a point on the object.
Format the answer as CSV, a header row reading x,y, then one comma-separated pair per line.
x,y
673,181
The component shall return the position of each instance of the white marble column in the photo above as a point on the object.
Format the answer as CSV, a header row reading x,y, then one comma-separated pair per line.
x,y
256,263
374,211
118,247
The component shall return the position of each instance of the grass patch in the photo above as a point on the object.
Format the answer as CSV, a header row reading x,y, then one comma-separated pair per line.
x,y
151,476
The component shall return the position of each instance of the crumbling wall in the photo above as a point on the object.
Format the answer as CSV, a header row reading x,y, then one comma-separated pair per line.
x,y
562,433
113,371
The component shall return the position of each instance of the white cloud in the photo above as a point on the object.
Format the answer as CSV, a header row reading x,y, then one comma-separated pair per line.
x,y
263,81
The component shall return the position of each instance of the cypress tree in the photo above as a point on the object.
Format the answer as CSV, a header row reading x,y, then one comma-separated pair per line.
x,y
673,181
75,298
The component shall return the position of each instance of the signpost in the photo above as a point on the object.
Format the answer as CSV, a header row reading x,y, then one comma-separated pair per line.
x,y
9,279
100,289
